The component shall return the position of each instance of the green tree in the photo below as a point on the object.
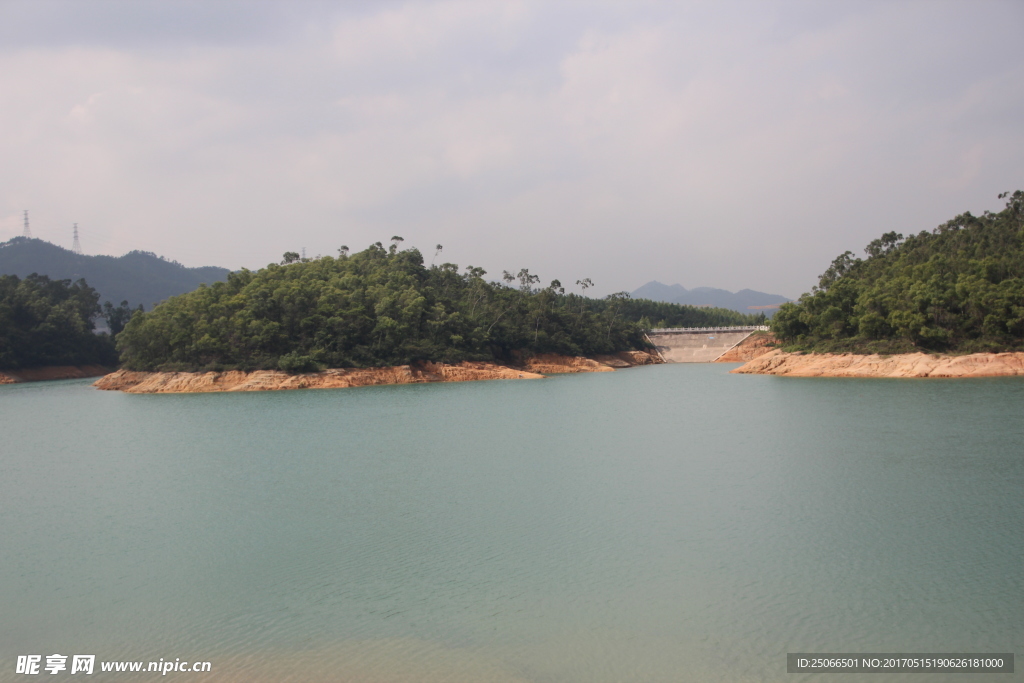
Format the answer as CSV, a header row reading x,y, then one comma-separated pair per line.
x,y
50,322
958,288
118,317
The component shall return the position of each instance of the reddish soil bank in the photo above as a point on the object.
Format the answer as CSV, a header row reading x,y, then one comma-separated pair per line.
x,y
271,380
750,348
901,365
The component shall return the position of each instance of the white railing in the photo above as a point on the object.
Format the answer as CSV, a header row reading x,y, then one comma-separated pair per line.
x,y
738,328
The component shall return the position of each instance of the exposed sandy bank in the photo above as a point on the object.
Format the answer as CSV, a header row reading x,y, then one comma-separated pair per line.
x,y
752,347
554,364
903,365
51,372
270,380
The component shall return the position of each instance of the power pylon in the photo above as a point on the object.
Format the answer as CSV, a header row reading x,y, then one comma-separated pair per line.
x,y
77,246
27,232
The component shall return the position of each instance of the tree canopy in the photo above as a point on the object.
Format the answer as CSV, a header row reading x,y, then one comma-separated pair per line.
x,y
383,306
50,322
959,288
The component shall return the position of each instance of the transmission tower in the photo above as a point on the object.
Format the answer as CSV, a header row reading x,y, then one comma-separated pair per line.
x,y
303,253
77,246
27,232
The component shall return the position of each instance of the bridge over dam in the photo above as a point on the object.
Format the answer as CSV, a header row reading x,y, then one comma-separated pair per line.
x,y
698,344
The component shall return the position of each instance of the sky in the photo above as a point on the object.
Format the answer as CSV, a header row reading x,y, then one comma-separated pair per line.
x,y
719,144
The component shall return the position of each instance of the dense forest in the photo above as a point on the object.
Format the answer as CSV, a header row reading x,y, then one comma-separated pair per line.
x,y
383,306
658,314
959,288
50,322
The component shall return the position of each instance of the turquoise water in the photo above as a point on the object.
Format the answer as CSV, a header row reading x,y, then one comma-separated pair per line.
x,y
671,523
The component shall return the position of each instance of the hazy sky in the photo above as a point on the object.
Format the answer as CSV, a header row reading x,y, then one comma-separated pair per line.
x,y
711,144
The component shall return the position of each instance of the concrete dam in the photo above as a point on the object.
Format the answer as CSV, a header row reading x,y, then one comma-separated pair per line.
x,y
698,344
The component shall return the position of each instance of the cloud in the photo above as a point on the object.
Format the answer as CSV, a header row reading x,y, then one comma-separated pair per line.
x,y
730,145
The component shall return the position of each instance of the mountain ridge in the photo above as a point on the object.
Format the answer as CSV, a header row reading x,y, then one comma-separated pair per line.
x,y
740,301
138,277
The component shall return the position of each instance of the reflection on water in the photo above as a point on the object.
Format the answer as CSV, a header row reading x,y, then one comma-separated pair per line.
x,y
657,524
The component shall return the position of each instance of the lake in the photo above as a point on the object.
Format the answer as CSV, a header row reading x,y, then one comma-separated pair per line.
x,y
665,523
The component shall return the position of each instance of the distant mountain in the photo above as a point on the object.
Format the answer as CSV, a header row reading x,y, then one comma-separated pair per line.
x,y
744,301
138,277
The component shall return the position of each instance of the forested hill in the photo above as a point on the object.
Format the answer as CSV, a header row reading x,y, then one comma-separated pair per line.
x,y
380,307
959,288
137,277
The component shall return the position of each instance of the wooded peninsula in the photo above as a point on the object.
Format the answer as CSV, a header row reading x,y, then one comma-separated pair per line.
x,y
384,307
957,289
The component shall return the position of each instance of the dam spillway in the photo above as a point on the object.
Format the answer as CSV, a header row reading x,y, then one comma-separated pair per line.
x,y
698,344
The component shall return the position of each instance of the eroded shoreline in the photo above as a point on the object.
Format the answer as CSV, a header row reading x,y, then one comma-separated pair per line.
x,y
911,365
274,380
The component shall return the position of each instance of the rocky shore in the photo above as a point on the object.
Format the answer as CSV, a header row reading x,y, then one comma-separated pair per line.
x,y
778,362
752,347
272,380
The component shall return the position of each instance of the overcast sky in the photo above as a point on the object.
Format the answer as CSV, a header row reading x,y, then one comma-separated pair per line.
x,y
711,144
